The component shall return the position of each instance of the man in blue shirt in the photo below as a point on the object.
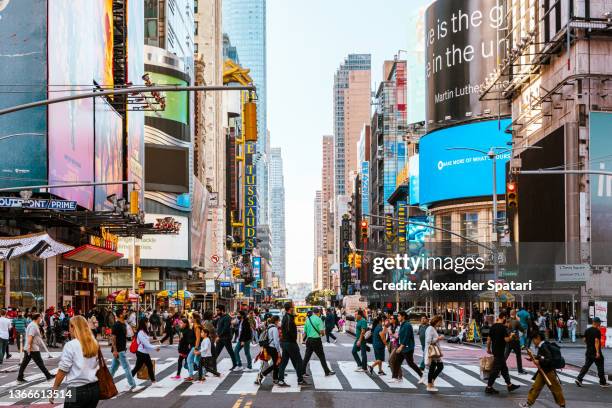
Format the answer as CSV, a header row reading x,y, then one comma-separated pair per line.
x,y
524,318
406,345
360,342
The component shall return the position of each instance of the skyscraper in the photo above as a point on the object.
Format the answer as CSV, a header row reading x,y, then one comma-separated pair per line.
x,y
327,219
245,23
318,249
277,214
351,112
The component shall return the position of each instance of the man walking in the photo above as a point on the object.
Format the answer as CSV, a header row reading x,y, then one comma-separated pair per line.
x,y
5,327
496,345
360,344
118,347
525,321
405,350
291,350
422,330
313,328
245,335
224,335
514,346
32,349
592,338
330,322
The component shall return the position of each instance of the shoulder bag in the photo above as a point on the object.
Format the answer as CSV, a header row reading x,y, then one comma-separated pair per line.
x,y
105,380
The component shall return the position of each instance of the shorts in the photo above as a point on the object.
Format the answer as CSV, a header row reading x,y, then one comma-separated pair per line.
x,y
379,353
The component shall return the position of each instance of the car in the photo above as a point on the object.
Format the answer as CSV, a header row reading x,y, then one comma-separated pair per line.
x,y
416,312
276,312
301,313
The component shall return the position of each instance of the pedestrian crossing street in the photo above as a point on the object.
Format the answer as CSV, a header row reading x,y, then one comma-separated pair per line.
x,y
455,377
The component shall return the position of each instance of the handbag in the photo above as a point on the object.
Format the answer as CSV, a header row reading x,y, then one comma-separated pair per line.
x,y
134,345
434,352
105,380
143,373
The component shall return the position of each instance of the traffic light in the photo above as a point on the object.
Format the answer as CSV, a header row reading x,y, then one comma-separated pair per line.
x,y
357,261
250,122
236,273
134,205
364,230
351,258
512,195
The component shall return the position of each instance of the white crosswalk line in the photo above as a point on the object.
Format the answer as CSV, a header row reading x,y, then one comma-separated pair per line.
x,y
245,384
212,383
123,386
347,345
30,379
329,345
462,377
321,382
574,374
476,370
440,382
356,380
290,379
562,377
162,388
387,378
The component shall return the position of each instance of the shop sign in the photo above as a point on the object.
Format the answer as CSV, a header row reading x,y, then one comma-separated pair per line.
x,y
210,286
106,240
38,204
225,284
82,293
572,273
168,224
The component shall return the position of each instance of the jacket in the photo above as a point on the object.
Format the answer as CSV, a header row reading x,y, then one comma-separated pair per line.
x,y
186,341
406,337
246,333
330,321
224,328
288,329
545,357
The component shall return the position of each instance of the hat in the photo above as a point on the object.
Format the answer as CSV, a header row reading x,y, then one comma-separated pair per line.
x,y
596,320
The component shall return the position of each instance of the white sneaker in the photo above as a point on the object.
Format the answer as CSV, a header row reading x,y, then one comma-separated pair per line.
x,y
239,368
359,370
136,388
422,380
431,388
395,380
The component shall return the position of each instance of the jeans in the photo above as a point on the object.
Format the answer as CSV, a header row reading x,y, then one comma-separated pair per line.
x,y
85,396
514,346
4,343
227,343
435,368
315,345
126,368
499,365
422,365
599,363
27,357
246,345
363,362
144,359
291,351
559,334
191,359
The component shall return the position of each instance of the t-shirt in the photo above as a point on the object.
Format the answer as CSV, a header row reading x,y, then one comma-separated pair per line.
x,y
205,349
590,335
80,370
498,333
361,325
5,327
376,341
120,333
523,316
33,330
313,327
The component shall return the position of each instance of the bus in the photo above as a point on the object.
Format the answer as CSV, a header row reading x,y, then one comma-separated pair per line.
x,y
279,303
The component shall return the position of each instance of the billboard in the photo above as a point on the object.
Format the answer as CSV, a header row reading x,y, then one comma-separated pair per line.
x,y
108,157
174,119
600,158
167,168
365,187
23,48
413,177
250,197
461,48
87,27
453,174
171,246
135,71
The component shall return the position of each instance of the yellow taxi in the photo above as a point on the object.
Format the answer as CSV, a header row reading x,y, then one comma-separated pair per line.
x,y
301,314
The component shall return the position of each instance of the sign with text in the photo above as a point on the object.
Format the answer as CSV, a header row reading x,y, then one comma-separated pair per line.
x,y
250,198
572,273
38,204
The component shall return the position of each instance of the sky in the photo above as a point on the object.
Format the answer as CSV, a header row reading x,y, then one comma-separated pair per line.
x,y
306,42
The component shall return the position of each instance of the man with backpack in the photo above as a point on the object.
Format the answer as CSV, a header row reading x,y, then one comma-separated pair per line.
x,y
313,329
592,338
548,360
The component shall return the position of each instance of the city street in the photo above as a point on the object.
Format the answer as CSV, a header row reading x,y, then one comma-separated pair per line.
x,y
459,384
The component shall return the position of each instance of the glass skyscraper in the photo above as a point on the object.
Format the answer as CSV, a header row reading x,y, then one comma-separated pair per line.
x,y
277,214
245,23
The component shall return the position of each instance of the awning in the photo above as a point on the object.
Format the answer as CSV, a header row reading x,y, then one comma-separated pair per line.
x,y
93,255
40,245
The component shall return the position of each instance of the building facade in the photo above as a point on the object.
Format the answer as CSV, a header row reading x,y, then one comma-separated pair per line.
x,y
277,215
317,265
327,203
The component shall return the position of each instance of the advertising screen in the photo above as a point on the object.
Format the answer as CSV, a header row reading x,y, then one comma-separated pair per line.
x,y
413,177
23,48
173,246
177,103
167,168
88,28
600,124
453,174
108,153
461,48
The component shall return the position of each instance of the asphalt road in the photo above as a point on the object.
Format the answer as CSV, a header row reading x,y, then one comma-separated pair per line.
x,y
460,385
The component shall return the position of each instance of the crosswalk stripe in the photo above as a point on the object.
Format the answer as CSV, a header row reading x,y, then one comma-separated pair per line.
x,y
347,345
319,379
355,379
476,369
245,384
161,388
574,374
123,386
388,379
30,379
291,379
440,382
563,378
212,383
462,377
329,345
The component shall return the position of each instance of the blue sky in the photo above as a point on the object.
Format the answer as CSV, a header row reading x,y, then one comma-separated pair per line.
x,y
307,41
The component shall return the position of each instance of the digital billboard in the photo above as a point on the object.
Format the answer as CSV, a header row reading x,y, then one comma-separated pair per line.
x,y
174,119
23,48
365,187
80,49
108,132
600,148
461,50
413,177
167,168
453,174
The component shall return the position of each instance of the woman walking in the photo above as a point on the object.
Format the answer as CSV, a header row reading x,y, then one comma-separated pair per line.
x,y
192,357
433,360
273,348
185,345
379,342
144,348
78,365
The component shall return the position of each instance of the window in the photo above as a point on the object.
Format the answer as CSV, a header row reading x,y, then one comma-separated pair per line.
x,y
445,241
195,6
469,229
195,48
196,28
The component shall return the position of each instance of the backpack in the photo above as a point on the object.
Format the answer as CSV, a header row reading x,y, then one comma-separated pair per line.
x,y
264,339
557,361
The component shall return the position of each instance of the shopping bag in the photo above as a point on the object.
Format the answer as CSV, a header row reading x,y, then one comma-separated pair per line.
x,y
143,373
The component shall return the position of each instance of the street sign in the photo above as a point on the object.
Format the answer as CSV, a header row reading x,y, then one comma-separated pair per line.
x,y
572,273
214,258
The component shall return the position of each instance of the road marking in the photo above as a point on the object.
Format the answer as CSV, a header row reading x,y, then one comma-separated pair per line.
x,y
291,379
476,369
321,382
123,386
574,373
440,382
35,377
388,379
212,383
347,345
462,377
563,378
161,388
245,384
329,345
357,380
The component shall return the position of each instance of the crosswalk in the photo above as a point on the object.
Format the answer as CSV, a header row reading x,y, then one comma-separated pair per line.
x,y
243,382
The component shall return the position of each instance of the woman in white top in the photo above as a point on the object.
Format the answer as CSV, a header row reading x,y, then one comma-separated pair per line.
x,y
144,348
435,364
79,365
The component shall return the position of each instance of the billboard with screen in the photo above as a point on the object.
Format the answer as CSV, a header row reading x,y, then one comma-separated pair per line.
x,y
453,174
461,49
167,168
413,177
108,131
23,48
600,148
80,38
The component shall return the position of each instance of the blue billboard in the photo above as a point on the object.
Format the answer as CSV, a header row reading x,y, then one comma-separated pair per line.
x,y
451,174
413,177
365,187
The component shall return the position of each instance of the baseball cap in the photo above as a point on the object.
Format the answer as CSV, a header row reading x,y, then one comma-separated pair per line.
x,y
596,320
